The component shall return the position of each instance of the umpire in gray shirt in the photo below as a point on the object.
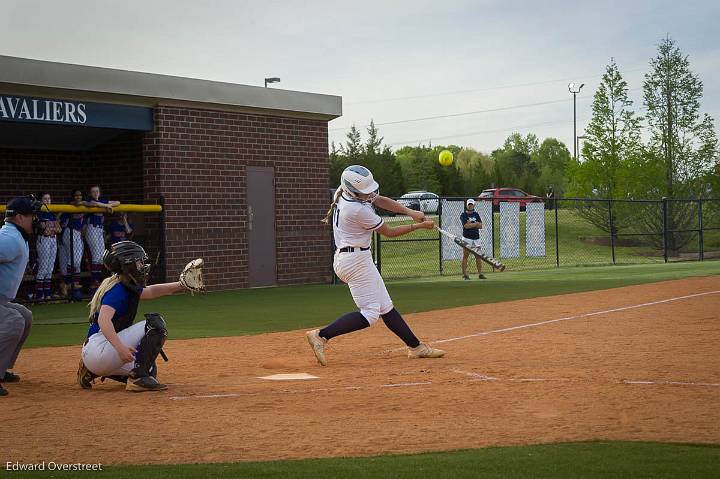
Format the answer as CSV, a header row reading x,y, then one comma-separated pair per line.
x,y
15,319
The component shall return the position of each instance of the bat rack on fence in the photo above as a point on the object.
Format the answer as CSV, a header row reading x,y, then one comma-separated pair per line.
x,y
475,250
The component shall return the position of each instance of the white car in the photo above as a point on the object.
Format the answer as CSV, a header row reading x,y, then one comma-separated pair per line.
x,y
424,201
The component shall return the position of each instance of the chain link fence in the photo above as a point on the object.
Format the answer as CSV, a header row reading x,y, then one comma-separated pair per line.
x,y
558,232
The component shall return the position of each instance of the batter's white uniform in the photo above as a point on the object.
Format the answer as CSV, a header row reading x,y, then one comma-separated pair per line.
x,y
353,225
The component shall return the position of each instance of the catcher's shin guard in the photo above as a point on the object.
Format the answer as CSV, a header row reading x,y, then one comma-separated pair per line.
x,y
150,346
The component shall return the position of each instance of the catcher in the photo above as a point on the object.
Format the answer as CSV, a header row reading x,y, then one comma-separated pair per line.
x,y
115,347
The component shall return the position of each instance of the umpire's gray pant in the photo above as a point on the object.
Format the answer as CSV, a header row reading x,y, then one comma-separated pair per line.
x,y
15,323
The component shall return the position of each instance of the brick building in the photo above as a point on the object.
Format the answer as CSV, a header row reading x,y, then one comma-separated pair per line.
x,y
242,171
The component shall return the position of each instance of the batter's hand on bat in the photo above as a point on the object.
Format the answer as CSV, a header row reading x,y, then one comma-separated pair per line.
x,y
427,224
418,216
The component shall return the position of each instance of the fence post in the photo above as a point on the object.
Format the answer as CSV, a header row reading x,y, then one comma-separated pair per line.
x,y
612,229
700,231
439,213
378,259
665,230
557,238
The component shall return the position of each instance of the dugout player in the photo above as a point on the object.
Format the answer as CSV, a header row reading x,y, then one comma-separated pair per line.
x,y
353,220
115,347
15,319
119,229
95,234
46,245
71,247
471,223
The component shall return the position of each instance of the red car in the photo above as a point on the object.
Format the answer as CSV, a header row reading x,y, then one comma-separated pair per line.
x,y
510,195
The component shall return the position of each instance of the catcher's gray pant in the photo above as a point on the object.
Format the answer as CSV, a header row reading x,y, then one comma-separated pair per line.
x,y
101,357
95,238
15,324
77,248
46,252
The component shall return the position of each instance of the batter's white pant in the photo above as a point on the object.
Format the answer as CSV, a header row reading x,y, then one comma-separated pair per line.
x,y
367,287
95,237
46,252
77,248
101,357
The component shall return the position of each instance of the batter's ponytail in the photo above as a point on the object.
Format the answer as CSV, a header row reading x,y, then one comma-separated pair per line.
x,y
330,211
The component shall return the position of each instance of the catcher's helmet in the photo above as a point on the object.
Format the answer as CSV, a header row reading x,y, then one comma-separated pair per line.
x,y
130,258
356,179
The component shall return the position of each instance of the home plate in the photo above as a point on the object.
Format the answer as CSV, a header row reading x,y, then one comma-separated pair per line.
x,y
289,377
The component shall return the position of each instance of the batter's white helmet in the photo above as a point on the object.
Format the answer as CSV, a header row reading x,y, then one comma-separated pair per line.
x,y
357,180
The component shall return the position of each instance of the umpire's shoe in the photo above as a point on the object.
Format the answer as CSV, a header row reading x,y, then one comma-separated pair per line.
x,y
3,391
422,350
10,377
317,343
85,377
145,383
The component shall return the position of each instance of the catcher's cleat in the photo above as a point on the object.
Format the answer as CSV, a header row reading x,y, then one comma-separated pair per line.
x,y
10,377
317,343
85,377
145,383
425,351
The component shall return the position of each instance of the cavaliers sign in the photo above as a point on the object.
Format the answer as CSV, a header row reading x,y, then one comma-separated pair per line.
x,y
74,113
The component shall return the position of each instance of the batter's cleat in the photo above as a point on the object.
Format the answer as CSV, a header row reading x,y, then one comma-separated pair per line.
x,y
425,351
10,377
85,378
317,343
481,276
3,391
145,383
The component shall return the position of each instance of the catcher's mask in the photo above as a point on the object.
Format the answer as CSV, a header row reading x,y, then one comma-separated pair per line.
x,y
357,180
130,258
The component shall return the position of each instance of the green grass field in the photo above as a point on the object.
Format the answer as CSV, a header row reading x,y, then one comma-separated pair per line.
x,y
553,461
255,311
579,244
279,309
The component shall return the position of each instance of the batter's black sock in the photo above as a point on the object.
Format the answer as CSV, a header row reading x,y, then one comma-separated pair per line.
x,y
346,323
397,325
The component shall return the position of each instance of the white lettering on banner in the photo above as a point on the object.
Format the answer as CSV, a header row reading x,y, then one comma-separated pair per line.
x,y
15,108
81,112
35,111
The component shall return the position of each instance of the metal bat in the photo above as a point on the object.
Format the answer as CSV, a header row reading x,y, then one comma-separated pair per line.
x,y
474,250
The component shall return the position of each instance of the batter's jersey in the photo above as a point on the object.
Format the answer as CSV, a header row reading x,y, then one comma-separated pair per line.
x,y
354,222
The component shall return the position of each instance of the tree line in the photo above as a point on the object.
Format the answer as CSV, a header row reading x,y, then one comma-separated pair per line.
x,y
671,150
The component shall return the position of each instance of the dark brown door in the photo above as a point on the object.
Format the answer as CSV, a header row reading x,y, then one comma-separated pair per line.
x,y
261,226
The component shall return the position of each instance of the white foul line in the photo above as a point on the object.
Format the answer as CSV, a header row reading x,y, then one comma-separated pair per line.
x,y
568,318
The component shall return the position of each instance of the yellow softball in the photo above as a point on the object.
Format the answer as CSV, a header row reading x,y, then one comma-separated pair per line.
x,y
445,158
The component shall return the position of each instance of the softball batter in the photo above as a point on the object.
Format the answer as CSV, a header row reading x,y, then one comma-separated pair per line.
x,y
95,234
354,219
49,227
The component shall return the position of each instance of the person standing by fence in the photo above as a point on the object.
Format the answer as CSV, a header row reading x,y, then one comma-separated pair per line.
x,y
119,229
72,246
48,229
95,234
15,319
471,224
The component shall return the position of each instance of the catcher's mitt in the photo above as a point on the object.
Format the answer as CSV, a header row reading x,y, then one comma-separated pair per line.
x,y
191,277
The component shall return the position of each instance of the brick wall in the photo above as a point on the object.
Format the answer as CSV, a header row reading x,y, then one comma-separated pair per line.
x,y
197,158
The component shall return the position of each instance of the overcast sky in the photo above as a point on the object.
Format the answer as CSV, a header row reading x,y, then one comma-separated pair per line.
x,y
391,61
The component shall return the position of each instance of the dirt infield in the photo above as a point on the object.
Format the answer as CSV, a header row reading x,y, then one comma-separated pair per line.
x,y
637,363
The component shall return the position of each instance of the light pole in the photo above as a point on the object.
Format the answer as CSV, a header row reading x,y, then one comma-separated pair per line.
x,y
271,80
571,89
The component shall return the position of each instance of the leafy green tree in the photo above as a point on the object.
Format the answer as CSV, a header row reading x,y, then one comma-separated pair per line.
x,y
513,163
353,147
552,159
682,141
